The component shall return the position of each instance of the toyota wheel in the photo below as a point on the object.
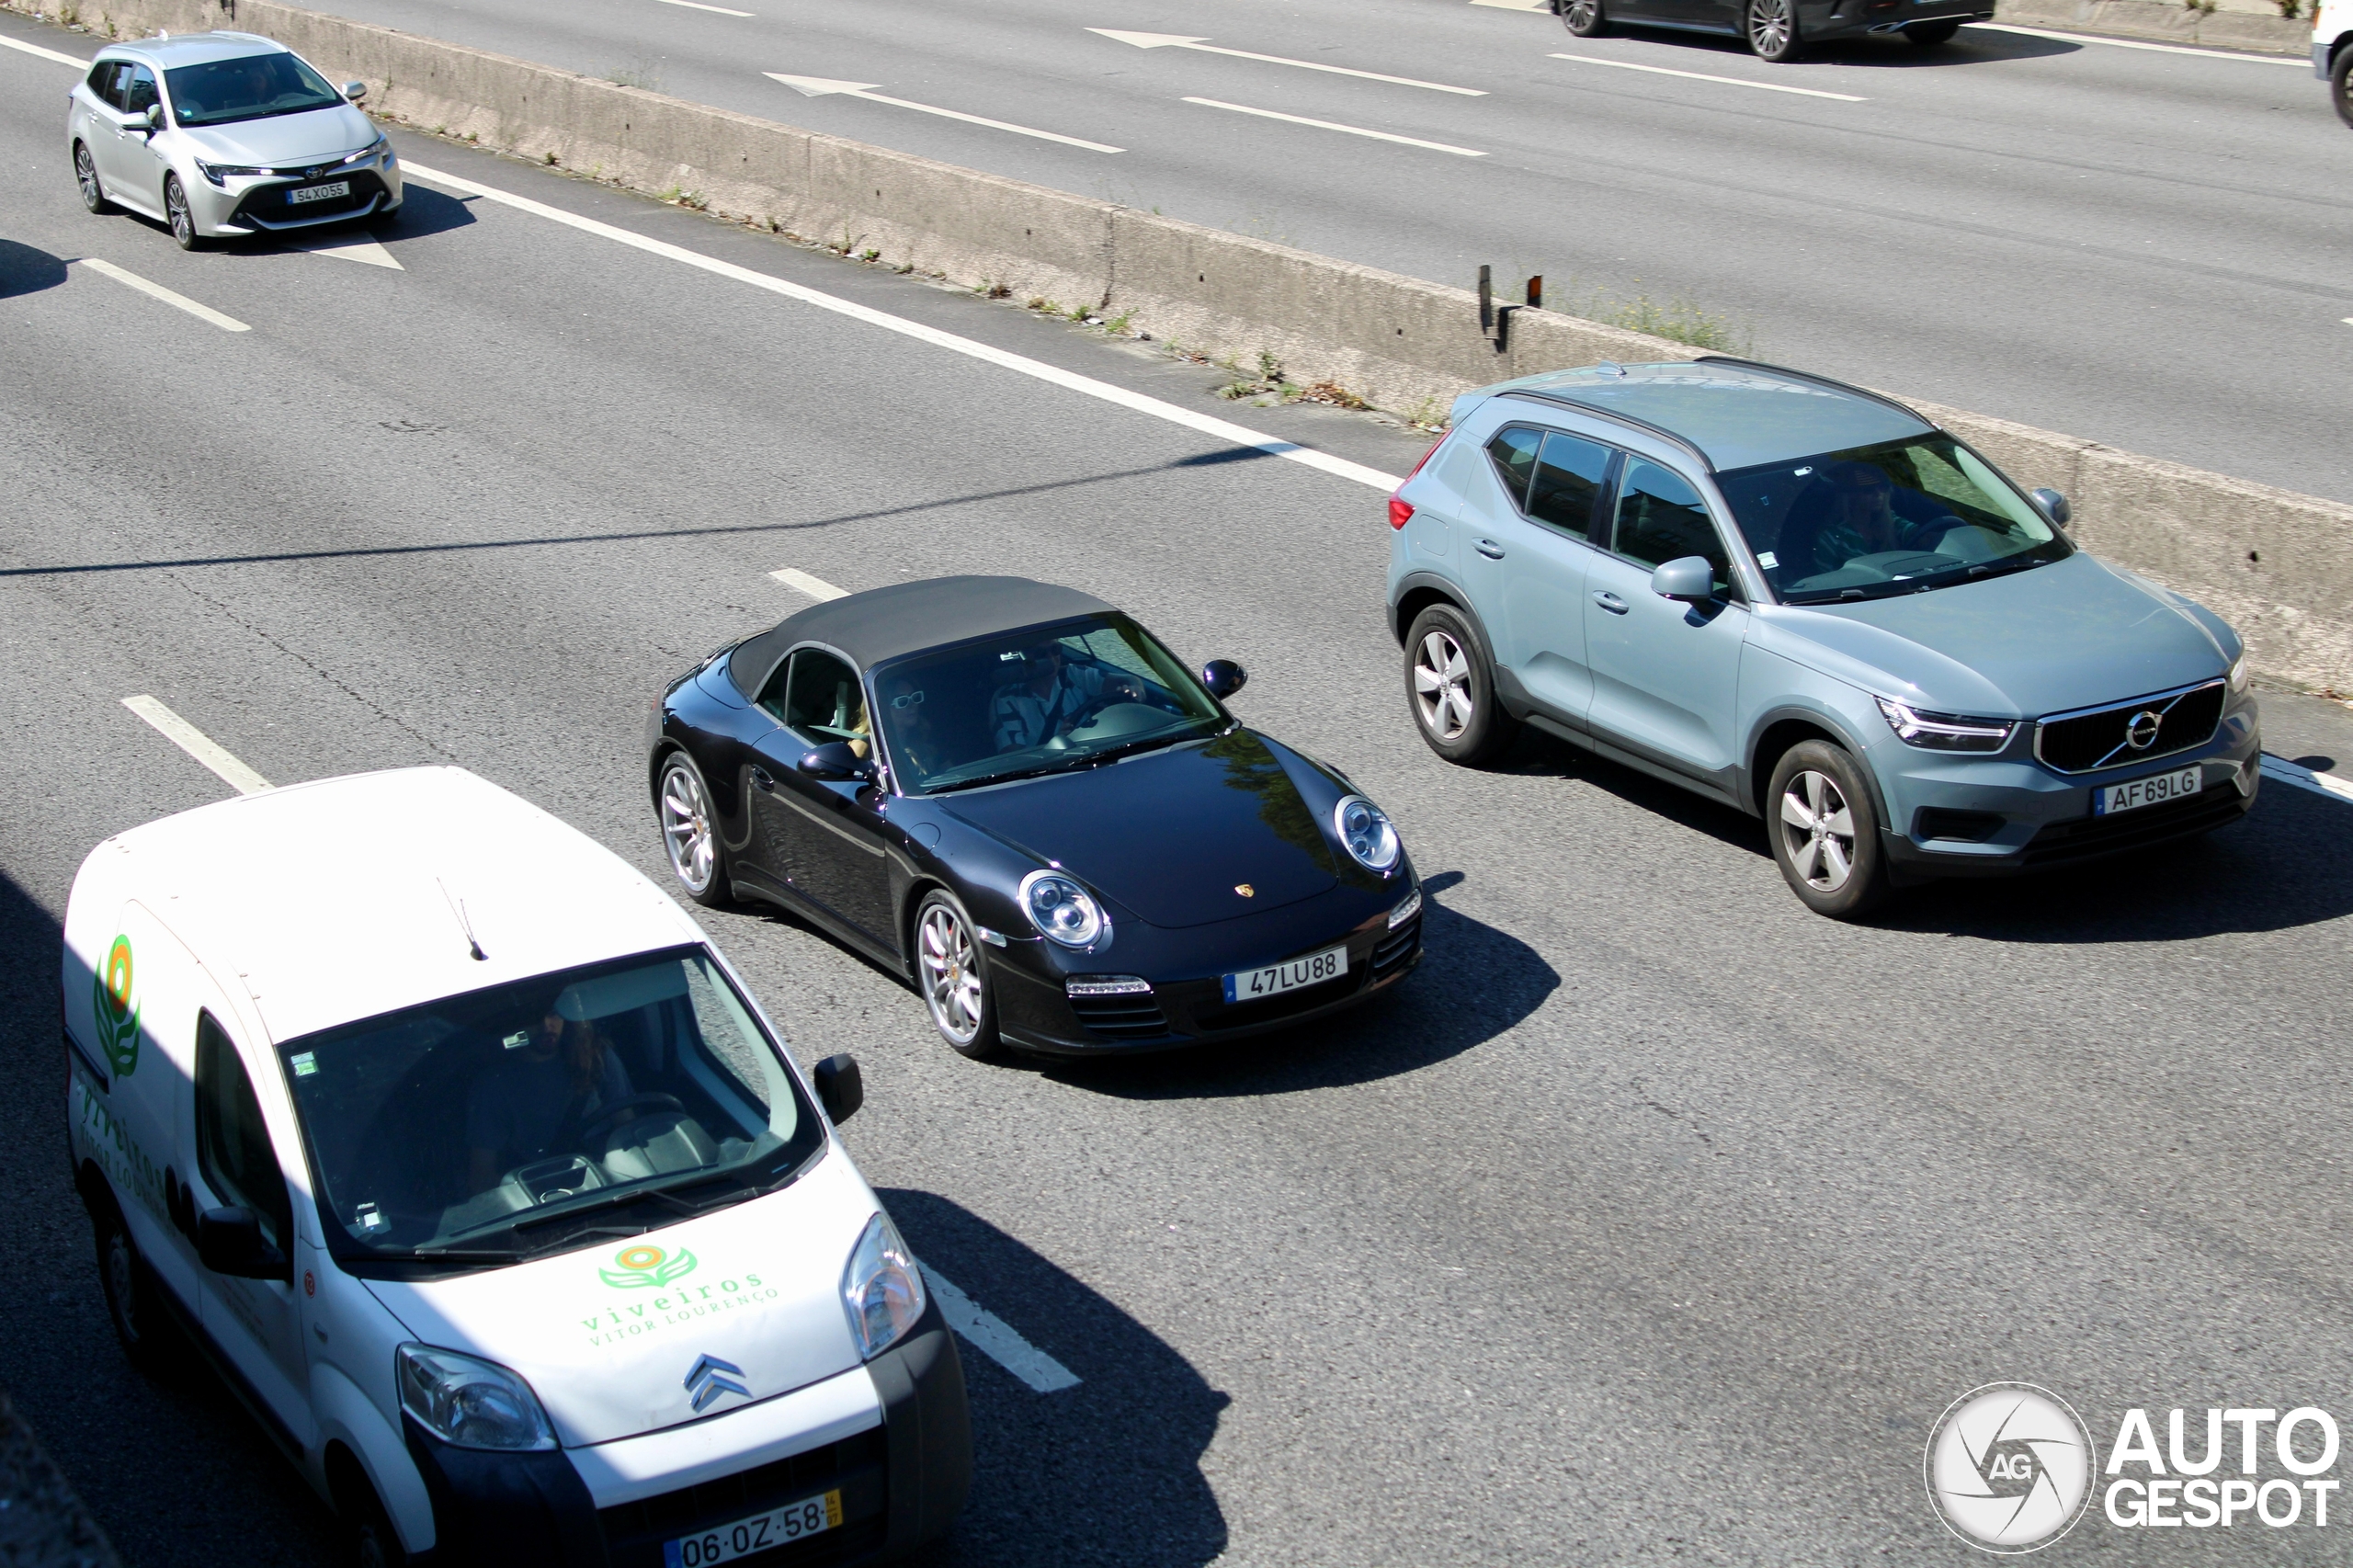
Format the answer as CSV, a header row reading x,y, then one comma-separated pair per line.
x,y
183,221
86,174
690,833
1453,690
1826,831
954,977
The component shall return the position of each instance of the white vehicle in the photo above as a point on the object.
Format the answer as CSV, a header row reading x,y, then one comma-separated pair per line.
x,y
452,1145
221,135
2333,51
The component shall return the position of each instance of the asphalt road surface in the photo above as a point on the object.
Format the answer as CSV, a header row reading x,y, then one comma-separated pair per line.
x,y
2141,247
1655,1217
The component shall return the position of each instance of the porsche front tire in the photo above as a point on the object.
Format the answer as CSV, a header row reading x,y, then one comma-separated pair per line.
x,y
954,977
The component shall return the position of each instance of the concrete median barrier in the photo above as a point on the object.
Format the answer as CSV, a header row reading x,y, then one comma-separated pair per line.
x,y
2278,564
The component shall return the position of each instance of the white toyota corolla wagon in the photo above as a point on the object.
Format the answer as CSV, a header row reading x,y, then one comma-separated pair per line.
x,y
453,1145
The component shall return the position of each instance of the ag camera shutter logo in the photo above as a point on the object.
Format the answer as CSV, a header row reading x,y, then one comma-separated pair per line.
x,y
2010,1467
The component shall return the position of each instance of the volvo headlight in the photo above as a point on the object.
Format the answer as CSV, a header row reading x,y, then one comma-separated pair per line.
x,y
221,174
1945,731
470,1402
882,1289
1367,834
2239,674
1063,910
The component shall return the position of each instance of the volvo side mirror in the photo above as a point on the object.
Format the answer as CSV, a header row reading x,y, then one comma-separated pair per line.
x,y
1689,579
229,1242
835,763
840,1088
2054,505
1224,677
355,91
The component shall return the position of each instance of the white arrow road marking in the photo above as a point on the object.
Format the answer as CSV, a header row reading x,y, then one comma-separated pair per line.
x,y
998,1339
800,581
2157,47
44,53
368,253
157,290
822,87
1070,380
1516,4
699,5
198,745
1177,41
2304,777
1331,125
1703,77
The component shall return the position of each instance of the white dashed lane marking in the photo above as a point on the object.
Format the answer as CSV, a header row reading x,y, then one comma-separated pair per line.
x,y
129,280
1336,125
1703,76
998,1339
800,581
198,745
2330,784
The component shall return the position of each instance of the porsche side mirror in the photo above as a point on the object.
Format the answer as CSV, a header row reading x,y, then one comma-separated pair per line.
x,y
2054,505
840,1089
228,1242
1224,677
1689,579
835,763
355,91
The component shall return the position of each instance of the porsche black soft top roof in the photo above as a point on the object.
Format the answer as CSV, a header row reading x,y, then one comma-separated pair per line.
x,y
907,617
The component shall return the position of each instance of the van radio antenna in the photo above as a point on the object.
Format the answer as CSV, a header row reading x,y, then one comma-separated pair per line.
x,y
458,909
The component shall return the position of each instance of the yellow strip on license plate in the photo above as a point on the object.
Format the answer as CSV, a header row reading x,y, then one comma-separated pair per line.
x,y
777,1526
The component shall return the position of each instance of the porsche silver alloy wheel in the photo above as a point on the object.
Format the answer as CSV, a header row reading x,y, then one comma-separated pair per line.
x,y
1818,829
1442,686
951,975
686,831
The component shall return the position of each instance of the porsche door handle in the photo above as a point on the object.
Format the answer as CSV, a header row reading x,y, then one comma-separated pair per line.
x,y
1491,549
1610,601
761,779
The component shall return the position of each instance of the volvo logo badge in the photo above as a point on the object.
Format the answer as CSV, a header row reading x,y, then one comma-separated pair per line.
x,y
2142,732
712,1377
1246,890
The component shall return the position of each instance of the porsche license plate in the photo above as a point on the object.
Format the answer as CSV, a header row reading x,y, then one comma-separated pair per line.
x,y
2155,789
1255,984
777,1526
327,192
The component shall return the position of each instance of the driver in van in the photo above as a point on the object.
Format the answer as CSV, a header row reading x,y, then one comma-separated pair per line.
x,y
1055,692
562,1077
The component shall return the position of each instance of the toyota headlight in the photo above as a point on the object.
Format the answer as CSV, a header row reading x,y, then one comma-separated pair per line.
x,y
1063,910
369,150
470,1402
2239,674
1945,731
222,173
1367,833
882,1289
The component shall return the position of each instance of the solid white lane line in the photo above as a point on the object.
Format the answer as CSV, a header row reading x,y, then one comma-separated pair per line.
x,y
800,581
157,290
2332,785
824,87
198,745
1177,41
1703,76
45,54
998,1339
1208,425
1329,125
699,5
2134,43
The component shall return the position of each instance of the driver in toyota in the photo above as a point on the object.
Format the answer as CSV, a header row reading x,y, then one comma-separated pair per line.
x,y
1056,695
557,1080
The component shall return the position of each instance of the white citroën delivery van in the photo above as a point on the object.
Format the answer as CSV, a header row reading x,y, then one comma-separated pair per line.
x,y
451,1142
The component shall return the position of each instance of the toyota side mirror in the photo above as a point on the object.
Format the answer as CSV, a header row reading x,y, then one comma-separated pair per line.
x,y
2054,505
840,1089
1224,677
228,1242
355,91
147,121
1689,579
835,763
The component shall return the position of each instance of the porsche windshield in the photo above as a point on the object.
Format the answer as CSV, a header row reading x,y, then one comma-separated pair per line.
x,y
1901,517
488,1126
1037,701
253,87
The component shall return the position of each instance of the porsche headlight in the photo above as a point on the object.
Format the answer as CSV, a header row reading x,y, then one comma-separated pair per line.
x,y
1367,834
2239,674
1944,731
1063,910
470,1402
882,1289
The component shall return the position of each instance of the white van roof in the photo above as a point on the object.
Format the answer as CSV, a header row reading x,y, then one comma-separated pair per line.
x,y
340,900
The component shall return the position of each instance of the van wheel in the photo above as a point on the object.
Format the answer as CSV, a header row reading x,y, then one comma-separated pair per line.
x,y
374,1542
134,1299
2340,84
1825,833
1452,689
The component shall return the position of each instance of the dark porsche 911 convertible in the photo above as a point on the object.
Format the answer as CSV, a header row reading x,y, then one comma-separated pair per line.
x,y
1012,794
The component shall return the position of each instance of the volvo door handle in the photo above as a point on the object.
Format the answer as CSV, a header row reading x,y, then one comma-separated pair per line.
x,y
1491,549
761,779
1610,601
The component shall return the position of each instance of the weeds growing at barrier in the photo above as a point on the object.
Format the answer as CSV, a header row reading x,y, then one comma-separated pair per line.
x,y
1679,320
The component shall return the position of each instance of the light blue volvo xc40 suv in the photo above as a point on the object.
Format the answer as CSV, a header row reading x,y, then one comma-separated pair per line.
x,y
1806,601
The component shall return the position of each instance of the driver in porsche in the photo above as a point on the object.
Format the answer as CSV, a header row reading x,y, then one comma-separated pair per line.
x,y
559,1079
1053,697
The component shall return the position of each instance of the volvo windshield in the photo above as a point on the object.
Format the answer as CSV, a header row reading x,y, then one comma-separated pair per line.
x,y
594,1101
1900,517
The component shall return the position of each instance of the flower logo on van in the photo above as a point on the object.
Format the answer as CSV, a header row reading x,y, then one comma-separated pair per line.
x,y
645,1267
110,1008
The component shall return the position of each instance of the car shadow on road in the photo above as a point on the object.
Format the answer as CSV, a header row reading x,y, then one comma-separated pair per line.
x,y
24,270
1971,46
1107,1472
1474,982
